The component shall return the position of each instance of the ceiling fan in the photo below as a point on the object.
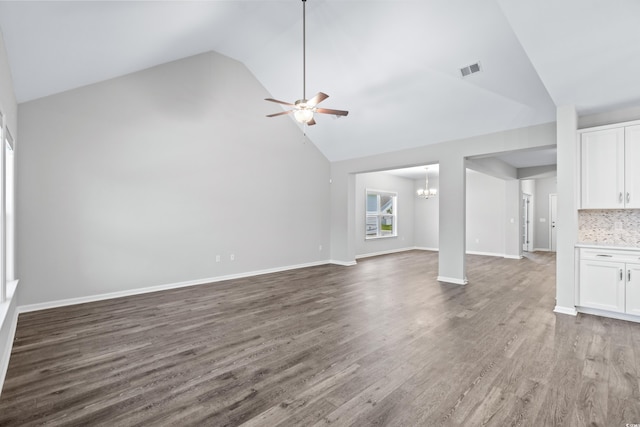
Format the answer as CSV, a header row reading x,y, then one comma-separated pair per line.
x,y
304,108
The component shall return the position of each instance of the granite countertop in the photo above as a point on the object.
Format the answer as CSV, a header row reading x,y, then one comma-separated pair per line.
x,y
607,245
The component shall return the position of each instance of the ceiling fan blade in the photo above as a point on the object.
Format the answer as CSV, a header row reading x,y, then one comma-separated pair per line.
x,y
279,102
330,111
279,114
311,122
317,99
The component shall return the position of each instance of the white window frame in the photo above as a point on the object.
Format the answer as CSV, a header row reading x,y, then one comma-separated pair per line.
x,y
374,222
7,231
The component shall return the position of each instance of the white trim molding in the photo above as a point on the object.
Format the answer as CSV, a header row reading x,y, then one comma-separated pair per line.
x,y
391,251
604,313
513,256
571,311
422,248
343,263
138,291
452,280
486,254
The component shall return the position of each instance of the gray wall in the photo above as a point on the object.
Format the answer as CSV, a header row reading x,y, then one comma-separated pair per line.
x,y
405,201
486,198
8,106
143,180
427,216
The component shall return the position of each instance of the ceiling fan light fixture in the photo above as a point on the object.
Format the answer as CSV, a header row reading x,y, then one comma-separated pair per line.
x,y
303,115
304,108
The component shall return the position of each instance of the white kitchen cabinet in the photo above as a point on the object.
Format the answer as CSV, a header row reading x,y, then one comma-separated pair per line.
x,y
602,285
632,166
610,280
633,289
610,176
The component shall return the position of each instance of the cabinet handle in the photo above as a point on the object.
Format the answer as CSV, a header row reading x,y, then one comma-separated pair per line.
x,y
628,197
628,275
607,256
621,274
620,197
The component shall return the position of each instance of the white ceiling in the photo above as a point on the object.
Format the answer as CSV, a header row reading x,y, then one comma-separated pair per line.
x,y
393,64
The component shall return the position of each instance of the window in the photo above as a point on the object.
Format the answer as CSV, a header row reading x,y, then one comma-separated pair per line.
x,y
7,211
381,220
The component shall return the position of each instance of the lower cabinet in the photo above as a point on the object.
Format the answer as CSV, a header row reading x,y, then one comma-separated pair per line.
x,y
610,281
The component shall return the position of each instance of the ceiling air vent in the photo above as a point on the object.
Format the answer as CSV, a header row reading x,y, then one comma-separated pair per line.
x,y
470,69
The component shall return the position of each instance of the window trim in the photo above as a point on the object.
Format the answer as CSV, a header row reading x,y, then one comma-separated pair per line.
x,y
379,215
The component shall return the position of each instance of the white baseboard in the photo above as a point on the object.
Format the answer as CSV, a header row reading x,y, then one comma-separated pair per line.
x,y
452,280
571,311
604,313
422,248
486,254
138,291
391,251
342,263
513,256
541,250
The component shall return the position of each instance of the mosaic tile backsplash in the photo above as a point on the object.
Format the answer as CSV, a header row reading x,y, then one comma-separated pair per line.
x,y
609,227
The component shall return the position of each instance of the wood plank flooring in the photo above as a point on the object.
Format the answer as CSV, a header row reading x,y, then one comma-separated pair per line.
x,y
379,343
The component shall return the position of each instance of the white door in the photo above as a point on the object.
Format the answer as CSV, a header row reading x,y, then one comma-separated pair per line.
x,y
553,213
527,240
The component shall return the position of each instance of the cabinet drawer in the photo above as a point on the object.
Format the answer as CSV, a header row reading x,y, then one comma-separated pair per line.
x,y
610,255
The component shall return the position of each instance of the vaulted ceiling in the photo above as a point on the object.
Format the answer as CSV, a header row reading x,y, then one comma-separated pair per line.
x,y
394,64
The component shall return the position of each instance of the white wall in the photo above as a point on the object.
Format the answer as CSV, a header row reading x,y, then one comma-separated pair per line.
x,y
426,221
486,198
143,180
405,205
9,108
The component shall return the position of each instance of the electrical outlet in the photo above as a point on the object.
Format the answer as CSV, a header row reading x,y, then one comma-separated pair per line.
x,y
232,257
217,258
320,248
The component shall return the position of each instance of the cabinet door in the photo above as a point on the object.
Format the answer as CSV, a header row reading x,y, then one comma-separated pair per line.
x,y
633,289
602,285
632,166
602,164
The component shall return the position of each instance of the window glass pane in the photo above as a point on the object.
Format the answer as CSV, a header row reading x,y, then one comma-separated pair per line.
x,y
386,226
386,204
372,203
372,226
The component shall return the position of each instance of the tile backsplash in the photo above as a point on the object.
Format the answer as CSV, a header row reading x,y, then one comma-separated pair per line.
x,y
609,227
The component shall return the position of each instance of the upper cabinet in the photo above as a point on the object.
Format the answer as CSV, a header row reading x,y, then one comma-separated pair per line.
x,y
610,176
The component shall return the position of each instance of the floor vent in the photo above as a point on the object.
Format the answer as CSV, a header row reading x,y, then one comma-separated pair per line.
x,y
470,69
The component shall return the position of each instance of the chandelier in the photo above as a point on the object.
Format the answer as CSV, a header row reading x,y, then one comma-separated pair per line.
x,y
426,192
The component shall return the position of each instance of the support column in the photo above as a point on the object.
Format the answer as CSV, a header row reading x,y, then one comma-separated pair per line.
x,y
513,220
567,222
453,215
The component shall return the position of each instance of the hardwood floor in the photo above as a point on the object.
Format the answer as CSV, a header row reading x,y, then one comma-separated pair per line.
x,y
380,343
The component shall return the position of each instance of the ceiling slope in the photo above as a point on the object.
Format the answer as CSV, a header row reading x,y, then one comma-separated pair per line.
x,y
393,64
